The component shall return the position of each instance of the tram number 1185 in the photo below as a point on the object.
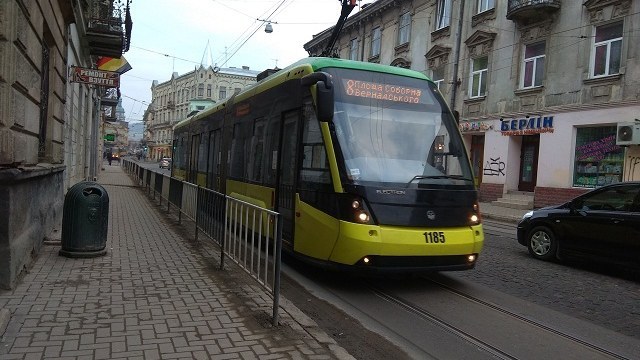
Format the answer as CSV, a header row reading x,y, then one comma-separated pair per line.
x,y
434,237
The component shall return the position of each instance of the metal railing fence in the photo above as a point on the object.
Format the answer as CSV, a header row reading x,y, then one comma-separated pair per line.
x,y
249,235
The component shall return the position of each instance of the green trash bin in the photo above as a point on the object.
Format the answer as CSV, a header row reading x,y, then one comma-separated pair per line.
x,y
85,220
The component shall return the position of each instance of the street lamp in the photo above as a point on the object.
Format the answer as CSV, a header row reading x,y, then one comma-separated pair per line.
x,y
268,28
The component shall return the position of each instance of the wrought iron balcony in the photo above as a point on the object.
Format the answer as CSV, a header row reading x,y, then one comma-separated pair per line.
x,y
531,10
108,27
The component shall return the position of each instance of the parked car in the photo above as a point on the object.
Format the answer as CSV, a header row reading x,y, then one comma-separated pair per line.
x,y
165,163
603,225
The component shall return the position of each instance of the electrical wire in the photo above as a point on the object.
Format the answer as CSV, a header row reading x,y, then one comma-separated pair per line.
x,y
253,33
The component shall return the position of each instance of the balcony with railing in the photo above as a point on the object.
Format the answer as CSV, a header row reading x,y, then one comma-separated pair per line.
x,y
529,11
108,28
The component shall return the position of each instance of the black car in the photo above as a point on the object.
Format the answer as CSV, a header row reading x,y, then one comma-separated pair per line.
x,y
603,224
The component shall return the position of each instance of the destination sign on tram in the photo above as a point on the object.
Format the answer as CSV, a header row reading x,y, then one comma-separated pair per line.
x,y
378,91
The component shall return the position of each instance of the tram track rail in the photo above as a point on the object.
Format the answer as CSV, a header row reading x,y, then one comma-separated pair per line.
x,y
468,336
498,228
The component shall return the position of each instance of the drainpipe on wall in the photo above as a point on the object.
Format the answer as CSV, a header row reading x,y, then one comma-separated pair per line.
x,y
95,155
362,26
456,57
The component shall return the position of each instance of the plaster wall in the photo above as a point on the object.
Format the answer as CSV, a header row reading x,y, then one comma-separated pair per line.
x,y
31,212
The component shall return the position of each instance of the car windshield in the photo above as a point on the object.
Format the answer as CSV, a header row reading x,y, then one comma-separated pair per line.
x,y
393,129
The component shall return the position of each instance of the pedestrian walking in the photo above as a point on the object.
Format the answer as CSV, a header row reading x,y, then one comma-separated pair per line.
x,y
109,157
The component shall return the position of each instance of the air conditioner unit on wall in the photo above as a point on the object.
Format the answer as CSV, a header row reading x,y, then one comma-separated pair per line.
x,y
628,134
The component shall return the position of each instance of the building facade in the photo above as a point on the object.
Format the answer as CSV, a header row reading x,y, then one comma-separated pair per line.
x,y
541,87
116,133
181,96
50,127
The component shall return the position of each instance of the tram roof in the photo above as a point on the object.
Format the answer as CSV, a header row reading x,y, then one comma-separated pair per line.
x,y
315,64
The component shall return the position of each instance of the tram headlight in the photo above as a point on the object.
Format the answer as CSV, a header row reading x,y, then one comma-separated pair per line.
x,y
475,217
354,209
362,216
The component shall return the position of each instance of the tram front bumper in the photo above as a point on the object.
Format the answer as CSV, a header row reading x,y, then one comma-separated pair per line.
x,y
391,246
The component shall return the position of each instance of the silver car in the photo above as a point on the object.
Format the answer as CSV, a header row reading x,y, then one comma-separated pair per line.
x,y
165,163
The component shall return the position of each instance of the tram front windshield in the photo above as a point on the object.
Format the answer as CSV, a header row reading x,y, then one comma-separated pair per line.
x,y
394,129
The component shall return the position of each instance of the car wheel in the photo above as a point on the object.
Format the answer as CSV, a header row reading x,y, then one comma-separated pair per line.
x,y
542,243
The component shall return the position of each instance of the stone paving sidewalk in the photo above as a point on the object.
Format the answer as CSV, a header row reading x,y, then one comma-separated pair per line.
x,y
156,294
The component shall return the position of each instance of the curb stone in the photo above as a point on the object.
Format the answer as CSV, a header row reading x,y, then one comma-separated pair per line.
x,y
311,327
5,316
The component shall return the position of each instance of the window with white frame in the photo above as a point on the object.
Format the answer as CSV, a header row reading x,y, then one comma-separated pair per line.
x,y
353,50
533,66
484,5
404,28
607,50
222,94
376,35
437,75
478,79
443,14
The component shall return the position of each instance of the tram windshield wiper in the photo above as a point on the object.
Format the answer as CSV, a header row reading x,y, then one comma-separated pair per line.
x,y
422,177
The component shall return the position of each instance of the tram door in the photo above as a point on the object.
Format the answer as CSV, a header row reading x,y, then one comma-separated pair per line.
x,y
287,173
193,159
215,159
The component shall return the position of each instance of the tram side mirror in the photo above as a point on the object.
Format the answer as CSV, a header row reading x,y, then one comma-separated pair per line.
x,y
325,101
324,94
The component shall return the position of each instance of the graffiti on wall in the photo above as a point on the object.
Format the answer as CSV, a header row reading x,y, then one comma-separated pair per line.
x,y
494,167
632,169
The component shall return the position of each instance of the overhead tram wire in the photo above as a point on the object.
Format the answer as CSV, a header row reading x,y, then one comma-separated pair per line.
x,y
238,39
241,35
253,33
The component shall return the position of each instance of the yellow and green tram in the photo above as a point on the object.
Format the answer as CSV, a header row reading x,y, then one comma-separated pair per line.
x,y
365,163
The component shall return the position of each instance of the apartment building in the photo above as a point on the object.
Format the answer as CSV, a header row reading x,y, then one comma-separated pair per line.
x,y
50,126
176,99
541,87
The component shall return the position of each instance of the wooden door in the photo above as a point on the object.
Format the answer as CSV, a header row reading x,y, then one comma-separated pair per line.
x,y
529,162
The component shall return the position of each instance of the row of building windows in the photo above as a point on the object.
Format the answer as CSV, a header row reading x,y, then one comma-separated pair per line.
x,y
605,60
184,95
606,53
443,20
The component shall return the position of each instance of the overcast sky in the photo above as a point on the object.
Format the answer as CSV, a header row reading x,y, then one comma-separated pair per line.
x,y
172,35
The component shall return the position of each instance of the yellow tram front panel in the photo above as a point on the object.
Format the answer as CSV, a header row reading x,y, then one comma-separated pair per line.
x,y
316,232
357,241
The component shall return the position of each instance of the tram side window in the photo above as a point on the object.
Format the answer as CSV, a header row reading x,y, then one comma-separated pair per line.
x,y
315,167
257,149
178,158
239,150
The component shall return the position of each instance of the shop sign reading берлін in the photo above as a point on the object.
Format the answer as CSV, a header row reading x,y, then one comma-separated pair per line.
x,y
526,126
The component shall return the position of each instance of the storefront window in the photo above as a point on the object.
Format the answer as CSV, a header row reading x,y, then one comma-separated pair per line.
x,y
598,159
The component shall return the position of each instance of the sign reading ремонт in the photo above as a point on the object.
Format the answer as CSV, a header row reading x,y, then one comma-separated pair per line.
x,y
95,77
